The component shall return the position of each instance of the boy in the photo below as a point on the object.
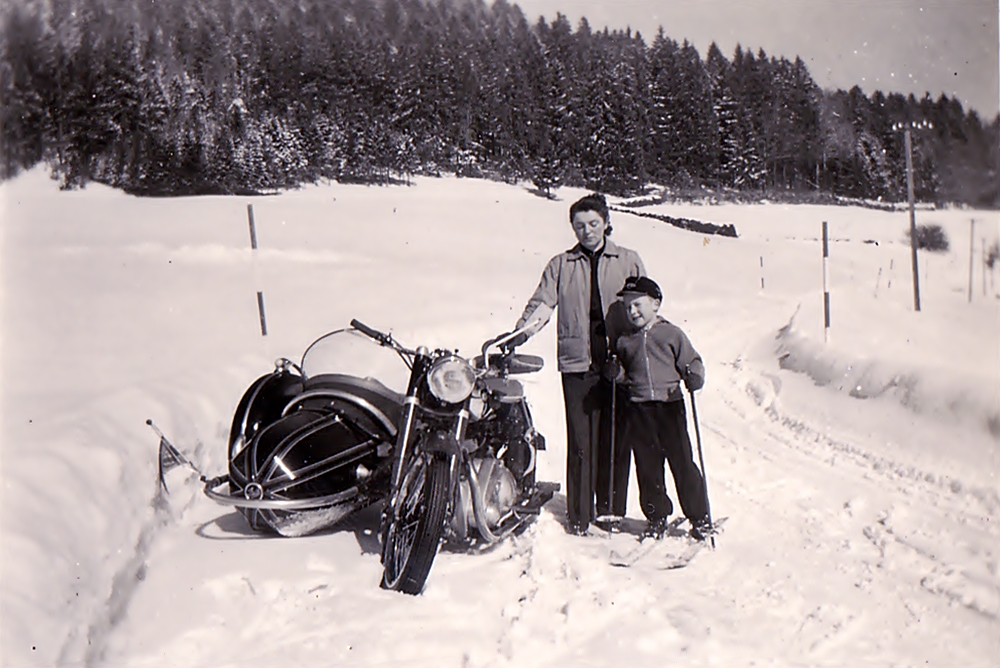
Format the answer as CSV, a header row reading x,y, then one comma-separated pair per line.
x,y
655,358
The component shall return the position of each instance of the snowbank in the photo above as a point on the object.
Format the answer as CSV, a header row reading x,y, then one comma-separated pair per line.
x,y
942,393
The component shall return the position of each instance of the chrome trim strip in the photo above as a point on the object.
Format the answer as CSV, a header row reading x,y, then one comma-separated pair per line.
x,y
383,419
294,439
315,470
277,504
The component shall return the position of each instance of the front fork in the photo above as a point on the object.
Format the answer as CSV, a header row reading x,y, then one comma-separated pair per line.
x,y
405,439
457,456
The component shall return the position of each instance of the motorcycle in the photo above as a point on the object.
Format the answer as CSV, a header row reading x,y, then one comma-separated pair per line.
x,y
453,458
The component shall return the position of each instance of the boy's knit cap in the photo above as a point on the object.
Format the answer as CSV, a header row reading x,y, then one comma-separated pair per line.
x,y
641,285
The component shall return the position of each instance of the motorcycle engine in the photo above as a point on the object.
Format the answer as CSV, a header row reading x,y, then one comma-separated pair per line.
x,y
498,488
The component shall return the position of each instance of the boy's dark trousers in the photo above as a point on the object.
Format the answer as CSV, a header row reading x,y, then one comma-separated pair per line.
x,y
657,430
587,397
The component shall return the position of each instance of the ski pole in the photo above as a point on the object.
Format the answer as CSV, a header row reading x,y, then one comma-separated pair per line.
x,y
611,516
701,461
611,469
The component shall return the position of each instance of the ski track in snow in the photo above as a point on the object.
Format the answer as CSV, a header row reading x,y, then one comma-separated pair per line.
x,y
854,537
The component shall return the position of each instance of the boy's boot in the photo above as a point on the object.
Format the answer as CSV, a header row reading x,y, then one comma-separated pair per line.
x,y
655,528
701,529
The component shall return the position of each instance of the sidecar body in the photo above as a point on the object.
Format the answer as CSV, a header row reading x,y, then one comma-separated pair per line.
x,y
306,450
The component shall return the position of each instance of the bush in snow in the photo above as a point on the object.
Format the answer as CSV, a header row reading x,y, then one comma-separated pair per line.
x,y
993,255
931,237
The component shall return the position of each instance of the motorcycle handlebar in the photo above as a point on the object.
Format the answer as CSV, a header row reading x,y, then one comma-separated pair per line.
x,y
368,331
499,342
382,338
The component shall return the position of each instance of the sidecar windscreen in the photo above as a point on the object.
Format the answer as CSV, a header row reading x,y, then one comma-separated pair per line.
x,y
347,352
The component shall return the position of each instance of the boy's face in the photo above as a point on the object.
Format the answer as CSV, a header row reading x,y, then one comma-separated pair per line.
x,y
641,308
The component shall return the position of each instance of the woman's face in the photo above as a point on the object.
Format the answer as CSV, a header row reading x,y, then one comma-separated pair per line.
x,y
589,228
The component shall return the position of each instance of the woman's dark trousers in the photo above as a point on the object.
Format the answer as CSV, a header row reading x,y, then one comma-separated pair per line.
x,y
588,437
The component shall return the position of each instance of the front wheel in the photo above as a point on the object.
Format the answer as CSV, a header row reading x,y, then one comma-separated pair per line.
x,y
411,540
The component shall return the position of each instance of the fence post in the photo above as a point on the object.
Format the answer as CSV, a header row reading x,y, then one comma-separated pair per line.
x,y
253,250
826,290
972,244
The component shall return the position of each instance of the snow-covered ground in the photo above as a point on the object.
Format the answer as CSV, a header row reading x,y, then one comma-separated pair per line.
x,y
859,474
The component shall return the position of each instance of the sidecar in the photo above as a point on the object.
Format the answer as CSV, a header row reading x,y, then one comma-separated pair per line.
x,y
307,449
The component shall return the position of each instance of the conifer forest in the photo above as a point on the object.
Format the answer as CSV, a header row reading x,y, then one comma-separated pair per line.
x,y
248,96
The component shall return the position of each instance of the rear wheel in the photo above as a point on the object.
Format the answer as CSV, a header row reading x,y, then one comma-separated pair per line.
x,y
410,542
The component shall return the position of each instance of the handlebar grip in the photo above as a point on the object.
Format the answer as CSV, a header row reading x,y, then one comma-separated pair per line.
x,y
368,331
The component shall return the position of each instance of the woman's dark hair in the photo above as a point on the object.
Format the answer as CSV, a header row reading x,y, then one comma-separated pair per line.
x,y
592,202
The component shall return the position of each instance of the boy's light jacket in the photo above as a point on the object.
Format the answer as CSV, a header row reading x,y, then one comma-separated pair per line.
x,y
565,283
656,359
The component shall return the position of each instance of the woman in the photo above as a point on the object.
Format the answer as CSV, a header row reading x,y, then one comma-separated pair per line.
x,y
583,283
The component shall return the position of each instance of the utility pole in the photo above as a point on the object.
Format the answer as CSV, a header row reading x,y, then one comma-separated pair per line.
x,y
909,196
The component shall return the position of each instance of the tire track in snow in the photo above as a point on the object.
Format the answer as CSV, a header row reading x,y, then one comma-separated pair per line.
x,y
124,583
796,432
87,642
932,560
933,534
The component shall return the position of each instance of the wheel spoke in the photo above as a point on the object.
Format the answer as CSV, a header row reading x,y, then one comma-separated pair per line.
x,y
413,535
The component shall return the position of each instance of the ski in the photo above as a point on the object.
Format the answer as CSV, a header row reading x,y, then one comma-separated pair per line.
x,y
684,558
646,545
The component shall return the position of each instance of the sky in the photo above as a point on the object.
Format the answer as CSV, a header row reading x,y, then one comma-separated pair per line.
x,y
908,46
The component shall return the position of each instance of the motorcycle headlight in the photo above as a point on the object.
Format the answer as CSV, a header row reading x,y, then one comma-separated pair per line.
x,y
451,379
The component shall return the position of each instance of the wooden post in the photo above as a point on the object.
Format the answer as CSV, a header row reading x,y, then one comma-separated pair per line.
x,y
253,227
253,250
260,310
826,291
972,244
913,219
